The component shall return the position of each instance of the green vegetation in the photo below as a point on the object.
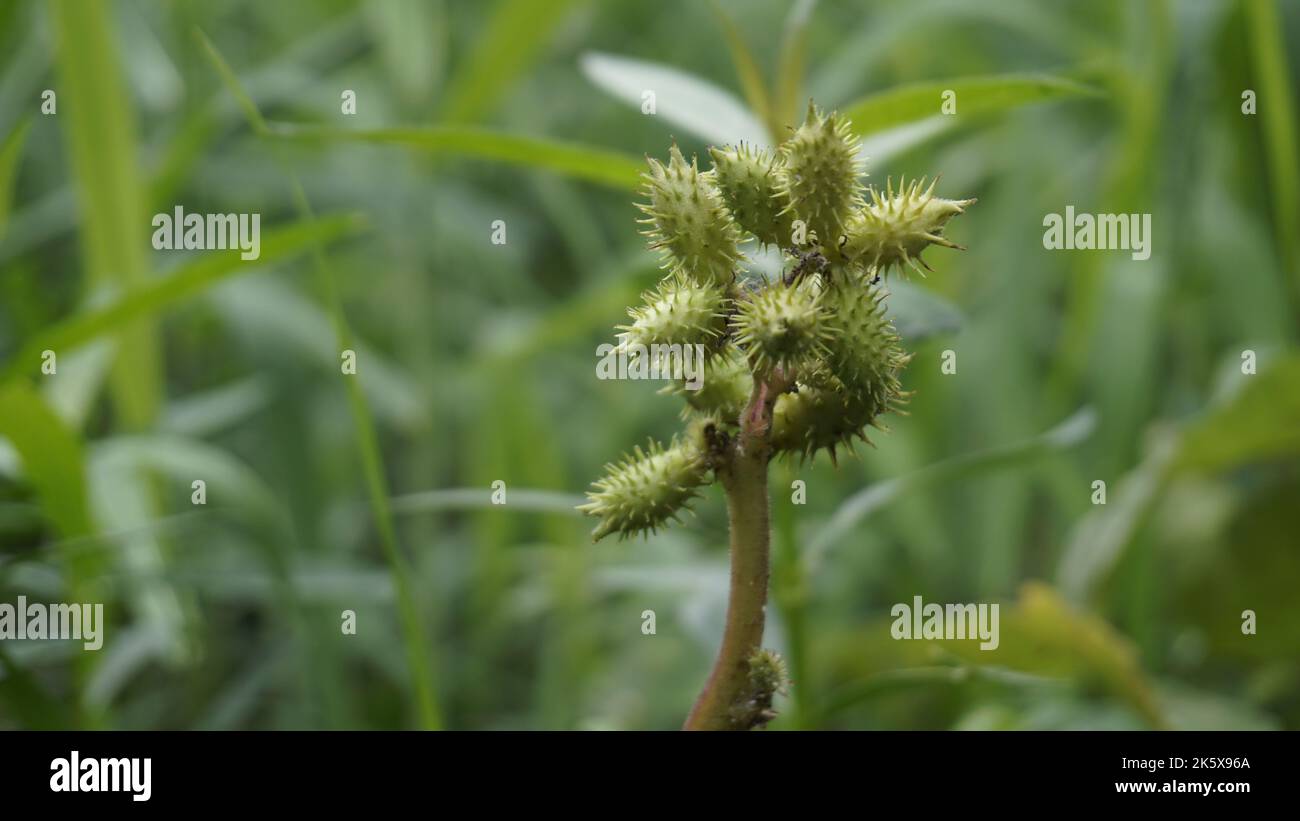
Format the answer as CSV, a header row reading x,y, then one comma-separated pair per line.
x,y
1034,374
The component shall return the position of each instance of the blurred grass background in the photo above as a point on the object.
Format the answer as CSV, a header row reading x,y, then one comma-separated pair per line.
x,y
475,364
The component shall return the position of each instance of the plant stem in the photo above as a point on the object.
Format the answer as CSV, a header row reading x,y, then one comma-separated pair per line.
x,y
744,478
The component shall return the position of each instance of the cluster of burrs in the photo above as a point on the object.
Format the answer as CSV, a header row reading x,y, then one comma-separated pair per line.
x,y
819,336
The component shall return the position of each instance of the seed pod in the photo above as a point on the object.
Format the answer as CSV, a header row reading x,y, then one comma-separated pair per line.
x,y
894,229
677,312
863,350
646,489
819,175
690,222
727,385
782,326
749,184
823,413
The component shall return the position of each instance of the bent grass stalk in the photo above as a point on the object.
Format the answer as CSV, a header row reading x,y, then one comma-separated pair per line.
x,y
413,634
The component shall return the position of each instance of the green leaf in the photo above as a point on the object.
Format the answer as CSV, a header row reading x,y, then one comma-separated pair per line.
x,y
417,649
51,455
1259,422
469,498
1045,634
10,151
54,464
122,470
232,83
919,314
189,279
910,678
586,312
1277,115
207,412
1098,540
122,497
591,163
683,99
268,315
230,482
875,497
898,119
28,702
1042,639
791,64
81,375
517,31
99,122
1262,421
412,39
882,39
375,475
747,69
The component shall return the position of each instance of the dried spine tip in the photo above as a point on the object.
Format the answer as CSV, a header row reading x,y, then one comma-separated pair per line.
x,y
645,490
895,228
690,222
819,176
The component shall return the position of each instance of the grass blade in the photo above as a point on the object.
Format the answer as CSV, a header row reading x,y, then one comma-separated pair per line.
x,y
377,487
514,35
790,67
521,500
100,129
975,96
874,497
898,119
1277,111
368,444
52,457
590,163
10,151
27,700
747,70
232,83
188,280
683,99
54,463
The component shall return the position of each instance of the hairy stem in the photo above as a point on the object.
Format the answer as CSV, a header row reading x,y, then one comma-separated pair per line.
x,y
744,478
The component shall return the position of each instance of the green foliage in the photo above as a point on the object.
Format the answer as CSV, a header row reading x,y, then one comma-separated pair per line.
x,y
10,151
475,360
100,130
